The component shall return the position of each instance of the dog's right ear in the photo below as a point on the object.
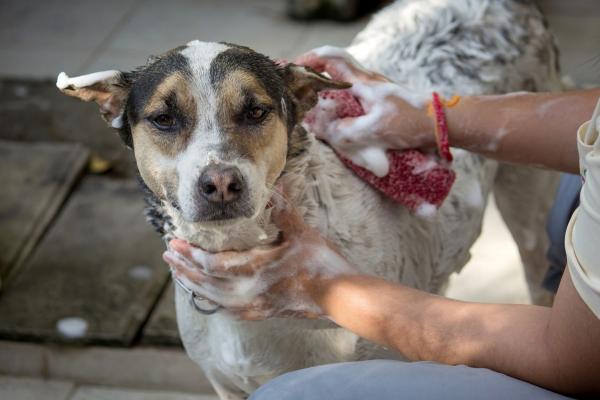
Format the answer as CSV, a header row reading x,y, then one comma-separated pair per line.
x,y
305,83
107,88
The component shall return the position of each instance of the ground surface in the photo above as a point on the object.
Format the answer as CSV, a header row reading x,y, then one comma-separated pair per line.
x,y
40,39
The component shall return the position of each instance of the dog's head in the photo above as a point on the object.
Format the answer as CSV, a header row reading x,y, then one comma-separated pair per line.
x,y
209,124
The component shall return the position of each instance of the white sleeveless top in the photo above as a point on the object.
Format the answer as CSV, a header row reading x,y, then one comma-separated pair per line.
x,y
582,240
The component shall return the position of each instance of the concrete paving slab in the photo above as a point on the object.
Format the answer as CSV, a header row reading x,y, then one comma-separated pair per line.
x,y
22,359
139,367
44,63
162,326
104,393
33,110
155,28
37,34
36,180
122,60
17,388
94,277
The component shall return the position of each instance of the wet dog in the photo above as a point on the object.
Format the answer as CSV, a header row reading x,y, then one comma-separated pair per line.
x,y
214,127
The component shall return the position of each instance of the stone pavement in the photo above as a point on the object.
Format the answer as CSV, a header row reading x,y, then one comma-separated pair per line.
x,y
40,39
23,388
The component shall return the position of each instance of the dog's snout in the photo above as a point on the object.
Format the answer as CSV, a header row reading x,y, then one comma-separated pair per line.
x,y
221,184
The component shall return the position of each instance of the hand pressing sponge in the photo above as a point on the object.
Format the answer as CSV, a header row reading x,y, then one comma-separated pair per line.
x,y
417,180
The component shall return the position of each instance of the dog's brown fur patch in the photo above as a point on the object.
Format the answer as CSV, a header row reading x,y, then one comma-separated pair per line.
x,y
264,143
176,87
153,148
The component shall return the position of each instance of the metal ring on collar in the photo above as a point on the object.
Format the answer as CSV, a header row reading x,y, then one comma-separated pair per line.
x,y
201,310
195,296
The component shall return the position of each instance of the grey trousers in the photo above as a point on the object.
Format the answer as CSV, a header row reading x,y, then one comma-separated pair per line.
x,y
387,380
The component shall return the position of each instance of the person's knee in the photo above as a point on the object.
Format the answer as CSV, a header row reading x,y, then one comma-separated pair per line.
x,y
387,380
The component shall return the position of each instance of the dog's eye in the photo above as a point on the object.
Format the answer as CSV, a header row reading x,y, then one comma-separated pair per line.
x,y
256,114
164,122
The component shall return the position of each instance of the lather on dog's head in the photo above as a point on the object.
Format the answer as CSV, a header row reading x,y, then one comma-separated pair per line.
x,y
209,124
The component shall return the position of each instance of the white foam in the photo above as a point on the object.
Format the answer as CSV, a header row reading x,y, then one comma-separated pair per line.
x,y
373,158
63,80
549,106
425,166
243,291
262,236
117,122
426,210
473,195
72,327
327,263
360,139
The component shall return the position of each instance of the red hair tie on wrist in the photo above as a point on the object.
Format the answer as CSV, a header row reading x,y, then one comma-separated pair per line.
x,y
436,110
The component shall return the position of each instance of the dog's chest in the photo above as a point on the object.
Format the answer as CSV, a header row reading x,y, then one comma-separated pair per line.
x,y
377,236
249,353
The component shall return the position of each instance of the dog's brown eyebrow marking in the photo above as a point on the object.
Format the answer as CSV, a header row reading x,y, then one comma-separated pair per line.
x,y
174,86
173,97
257,66
146,81
238,89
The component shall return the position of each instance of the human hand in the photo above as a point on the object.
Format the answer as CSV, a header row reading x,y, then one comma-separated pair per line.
x,y
393,117
276,281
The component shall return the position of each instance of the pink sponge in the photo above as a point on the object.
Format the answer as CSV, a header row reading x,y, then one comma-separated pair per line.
x,y
416,180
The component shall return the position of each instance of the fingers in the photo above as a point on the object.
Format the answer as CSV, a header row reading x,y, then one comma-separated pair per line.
x,y
182,267
335,61
226,264
194,255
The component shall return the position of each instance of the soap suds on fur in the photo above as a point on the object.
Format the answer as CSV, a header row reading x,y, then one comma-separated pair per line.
x,y
63,80
426,210
117,122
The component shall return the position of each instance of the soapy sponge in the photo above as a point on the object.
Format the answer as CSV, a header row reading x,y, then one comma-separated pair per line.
x,y
417,180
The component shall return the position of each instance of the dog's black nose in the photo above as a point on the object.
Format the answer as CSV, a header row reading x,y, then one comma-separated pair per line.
x,y
221,184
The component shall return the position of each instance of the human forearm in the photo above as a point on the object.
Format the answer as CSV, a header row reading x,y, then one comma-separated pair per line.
x,y
529,128
518,340
526,128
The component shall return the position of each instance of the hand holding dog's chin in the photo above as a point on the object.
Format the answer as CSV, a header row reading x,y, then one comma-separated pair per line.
x,y
282,280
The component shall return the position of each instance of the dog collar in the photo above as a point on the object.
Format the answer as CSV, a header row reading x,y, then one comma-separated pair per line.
x,y
195,299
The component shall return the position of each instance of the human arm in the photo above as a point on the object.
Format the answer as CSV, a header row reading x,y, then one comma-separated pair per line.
x,y
526,128
536,129
555,348
305,276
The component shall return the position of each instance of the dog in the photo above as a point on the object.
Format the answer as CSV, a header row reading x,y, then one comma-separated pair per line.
x,y
214,127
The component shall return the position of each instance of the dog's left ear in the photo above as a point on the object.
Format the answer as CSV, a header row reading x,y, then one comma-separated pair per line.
x,y
107,88
304,84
